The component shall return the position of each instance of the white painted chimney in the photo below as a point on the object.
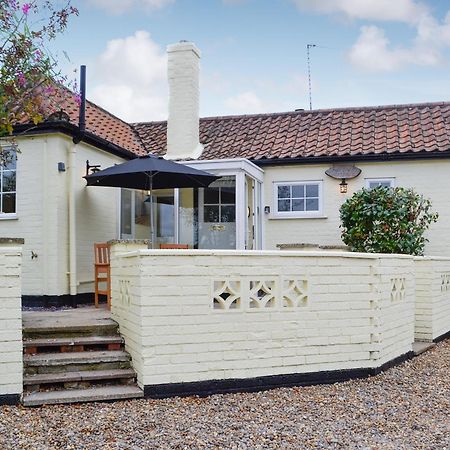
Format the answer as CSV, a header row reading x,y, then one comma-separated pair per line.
x,y
184,95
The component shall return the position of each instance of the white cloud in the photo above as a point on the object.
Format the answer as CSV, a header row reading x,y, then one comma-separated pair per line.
x,y
131,79
373,51
245,102
121,6
389,10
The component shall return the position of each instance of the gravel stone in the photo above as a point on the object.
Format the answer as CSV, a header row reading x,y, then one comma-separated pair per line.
x,y
406,407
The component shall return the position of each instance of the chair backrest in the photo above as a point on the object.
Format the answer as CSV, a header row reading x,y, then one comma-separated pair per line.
x,y
101,252
177,246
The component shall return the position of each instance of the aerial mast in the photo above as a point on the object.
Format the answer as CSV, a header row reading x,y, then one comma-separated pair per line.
x,y
308,59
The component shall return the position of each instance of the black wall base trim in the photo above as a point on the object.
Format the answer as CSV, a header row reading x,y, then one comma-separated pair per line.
x,y
57,301
442,337
209,387
10,399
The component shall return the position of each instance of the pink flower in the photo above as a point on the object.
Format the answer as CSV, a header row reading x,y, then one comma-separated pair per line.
x,y
77,98
21,79
25,8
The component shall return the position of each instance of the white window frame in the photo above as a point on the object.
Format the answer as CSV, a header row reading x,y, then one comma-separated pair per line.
x,y
297,214
5,216
391,181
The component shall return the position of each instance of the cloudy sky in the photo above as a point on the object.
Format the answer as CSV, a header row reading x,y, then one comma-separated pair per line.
x,y
368,52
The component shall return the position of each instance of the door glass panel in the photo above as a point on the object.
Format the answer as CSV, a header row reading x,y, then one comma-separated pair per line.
x,y
217,215
211,213
125,213
228,213
211,195
187,216
165,219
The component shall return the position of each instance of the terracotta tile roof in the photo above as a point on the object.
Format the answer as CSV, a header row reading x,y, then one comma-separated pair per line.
x,y
319,133
99,122
107,126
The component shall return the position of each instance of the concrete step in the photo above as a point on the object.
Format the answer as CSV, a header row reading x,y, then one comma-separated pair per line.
x,y
68,344
72,362
78,376
57,359
104,393
420,347
69,329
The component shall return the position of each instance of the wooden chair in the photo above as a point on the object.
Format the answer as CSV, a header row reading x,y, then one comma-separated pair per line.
x,y
177,246
102,272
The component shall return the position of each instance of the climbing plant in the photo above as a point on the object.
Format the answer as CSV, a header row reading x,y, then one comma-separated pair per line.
x,y
29,74
386,220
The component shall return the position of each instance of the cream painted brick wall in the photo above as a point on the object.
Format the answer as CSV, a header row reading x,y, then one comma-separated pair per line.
x,y
42,213
163,302
29,223
430,178
10,321
432,298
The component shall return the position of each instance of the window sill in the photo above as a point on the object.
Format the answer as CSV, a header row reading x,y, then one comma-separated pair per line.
x,y
296,216
8,217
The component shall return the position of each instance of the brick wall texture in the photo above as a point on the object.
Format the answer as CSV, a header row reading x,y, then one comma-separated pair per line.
x,y
10,321
203,315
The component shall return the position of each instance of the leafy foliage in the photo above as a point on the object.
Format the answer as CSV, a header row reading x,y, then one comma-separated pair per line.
x,y
386,220
29,78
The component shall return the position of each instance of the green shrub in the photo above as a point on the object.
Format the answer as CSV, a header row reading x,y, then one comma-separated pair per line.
x,y
386,220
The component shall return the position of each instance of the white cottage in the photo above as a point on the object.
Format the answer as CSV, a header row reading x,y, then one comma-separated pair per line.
x,y
273,191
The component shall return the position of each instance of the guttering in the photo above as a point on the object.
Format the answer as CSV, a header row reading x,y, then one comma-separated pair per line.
x,y
72,130
379,157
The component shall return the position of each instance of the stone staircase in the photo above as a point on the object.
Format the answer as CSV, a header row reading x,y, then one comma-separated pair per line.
x,y
76,359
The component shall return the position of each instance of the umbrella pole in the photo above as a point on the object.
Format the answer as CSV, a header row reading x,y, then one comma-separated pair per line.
x,y
152,219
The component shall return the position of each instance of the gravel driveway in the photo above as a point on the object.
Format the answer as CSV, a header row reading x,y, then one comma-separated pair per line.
x,y
407,407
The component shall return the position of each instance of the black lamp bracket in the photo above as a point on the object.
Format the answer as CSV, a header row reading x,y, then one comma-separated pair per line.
x,y
90,169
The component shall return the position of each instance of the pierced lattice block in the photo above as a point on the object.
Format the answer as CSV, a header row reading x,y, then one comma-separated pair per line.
x,y
262,294
295,293
227,294
445,282
398,289
124,292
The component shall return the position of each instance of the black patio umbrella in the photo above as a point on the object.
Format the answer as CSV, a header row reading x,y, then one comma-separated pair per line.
x,y
148,173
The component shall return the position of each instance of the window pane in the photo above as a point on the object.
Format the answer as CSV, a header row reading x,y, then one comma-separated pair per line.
x,y
312,190
9,203
9,181
376,183
312,204
9,159
284,192
211,195
211,213
228,213
298,191
166,217
298,205
284,205
228,195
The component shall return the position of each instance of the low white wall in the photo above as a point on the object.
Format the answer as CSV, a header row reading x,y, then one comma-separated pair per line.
x,y
190,315
432,298
11,367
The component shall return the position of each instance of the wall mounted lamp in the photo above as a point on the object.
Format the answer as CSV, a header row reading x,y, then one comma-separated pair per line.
x,y
343,173
343,186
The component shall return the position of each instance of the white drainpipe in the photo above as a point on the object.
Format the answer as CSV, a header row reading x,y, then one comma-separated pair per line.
x,y
72,221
